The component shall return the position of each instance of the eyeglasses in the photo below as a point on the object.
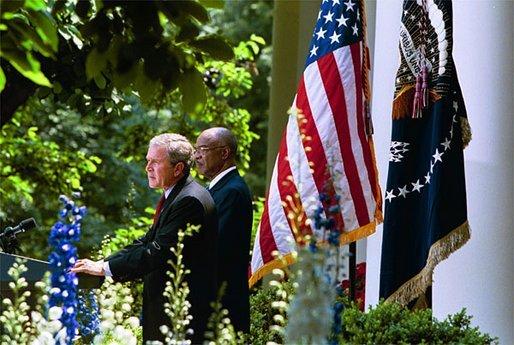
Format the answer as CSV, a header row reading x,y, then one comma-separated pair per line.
x,y
204,149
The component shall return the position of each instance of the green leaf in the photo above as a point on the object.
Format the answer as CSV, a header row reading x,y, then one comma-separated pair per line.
x,y
75,183
213,3
122,81
195,10
35,5
95,63
28,67
57,87
193,91
258,39
146,87
214,46
32,133
2,79
26,31
100,81
45,27
188,31
89,166
254,46
95,159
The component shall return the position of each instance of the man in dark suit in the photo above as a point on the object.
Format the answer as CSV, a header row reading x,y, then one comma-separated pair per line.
x,y
184,202
215,157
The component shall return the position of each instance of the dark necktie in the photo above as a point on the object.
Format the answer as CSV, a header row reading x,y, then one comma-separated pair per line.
x,y
158,208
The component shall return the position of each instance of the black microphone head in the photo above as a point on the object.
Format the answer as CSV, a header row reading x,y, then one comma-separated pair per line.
x,y
28,224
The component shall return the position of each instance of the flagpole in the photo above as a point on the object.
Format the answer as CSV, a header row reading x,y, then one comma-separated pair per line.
x,y
352,268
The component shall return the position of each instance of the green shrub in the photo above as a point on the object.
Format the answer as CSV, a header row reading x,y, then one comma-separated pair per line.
x,y
389,323
262,313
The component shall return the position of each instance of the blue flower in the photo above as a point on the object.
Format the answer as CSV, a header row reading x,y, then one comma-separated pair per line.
x,y
62,236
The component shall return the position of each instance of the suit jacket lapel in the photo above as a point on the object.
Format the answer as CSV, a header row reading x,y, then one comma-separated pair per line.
x,y
169,200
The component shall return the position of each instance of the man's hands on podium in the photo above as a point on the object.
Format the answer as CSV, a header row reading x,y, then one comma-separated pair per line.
x,y
95,268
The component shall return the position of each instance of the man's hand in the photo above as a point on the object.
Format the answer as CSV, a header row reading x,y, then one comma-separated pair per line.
x,y
95,268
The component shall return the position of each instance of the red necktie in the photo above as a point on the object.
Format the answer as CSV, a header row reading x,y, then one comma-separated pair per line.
x,y
158,208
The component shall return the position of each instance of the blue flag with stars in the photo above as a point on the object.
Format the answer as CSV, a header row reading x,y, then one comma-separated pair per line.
x,y
425,203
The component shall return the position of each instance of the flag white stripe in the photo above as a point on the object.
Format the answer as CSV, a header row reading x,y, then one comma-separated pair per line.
x,y
324,119
277,217
302,176
343,58
257,261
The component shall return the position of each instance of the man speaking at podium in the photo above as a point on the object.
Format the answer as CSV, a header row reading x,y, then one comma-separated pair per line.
x,y
183,202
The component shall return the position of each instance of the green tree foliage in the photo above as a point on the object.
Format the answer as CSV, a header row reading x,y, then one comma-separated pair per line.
x,y
33,168
29,31
150,48
237,21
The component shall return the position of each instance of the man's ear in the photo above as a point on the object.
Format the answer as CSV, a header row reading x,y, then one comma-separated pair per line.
x,y
225,152
179,169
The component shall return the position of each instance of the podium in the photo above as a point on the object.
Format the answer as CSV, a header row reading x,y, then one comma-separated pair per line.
x,y
36,269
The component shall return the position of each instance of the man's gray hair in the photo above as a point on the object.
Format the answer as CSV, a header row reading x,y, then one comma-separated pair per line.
x,y
178,147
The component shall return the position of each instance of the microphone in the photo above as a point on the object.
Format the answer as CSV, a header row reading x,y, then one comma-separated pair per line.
x,y
24,225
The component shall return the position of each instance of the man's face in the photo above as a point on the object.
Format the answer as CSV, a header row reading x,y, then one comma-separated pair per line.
x,y
159,168
208,155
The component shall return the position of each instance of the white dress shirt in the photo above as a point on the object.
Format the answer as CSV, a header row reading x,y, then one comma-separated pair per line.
x,y
220,176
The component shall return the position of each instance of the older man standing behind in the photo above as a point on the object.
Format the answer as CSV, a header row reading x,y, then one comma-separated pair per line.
x,y
215,156
183,202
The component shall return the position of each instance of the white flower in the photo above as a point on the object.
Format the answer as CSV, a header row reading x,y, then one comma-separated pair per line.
x,y
133,322
310,313
53,326
44,338
35,316
54,313
125,307
61,336
106,325
108,314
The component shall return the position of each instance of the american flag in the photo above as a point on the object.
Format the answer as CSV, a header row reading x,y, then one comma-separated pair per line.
x,y
327,147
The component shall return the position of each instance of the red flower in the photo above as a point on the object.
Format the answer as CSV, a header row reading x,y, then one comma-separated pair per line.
x,y
360,285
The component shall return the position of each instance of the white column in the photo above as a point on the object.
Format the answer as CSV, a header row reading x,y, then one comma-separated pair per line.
x,y
385,63
479,276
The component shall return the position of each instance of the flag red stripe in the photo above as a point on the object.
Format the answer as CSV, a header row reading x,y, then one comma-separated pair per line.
x,y
336,97
317,154
357,65
266,239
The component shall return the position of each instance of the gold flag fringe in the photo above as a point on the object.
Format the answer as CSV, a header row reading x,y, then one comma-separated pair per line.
x,y
403,102
357,234
280,262
438,252
466,132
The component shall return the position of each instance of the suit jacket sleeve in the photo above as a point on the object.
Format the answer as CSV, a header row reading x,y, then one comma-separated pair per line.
x,y
145,257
